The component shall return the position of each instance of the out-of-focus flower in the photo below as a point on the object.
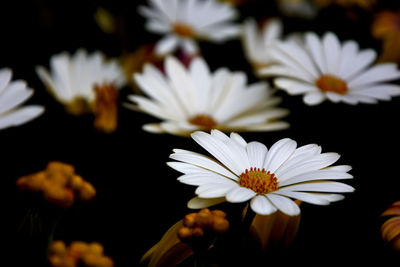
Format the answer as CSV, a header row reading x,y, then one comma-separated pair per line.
x,y
105,20
326,69
78,253
59,184
193,99
275,230
365,4
184,22
242,171
85,83
169,251
390,229
257,43
386,27
12,95
298,8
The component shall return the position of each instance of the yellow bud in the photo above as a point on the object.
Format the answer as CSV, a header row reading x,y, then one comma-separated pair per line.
x,y
189,219
105,262
203,219
90,259
60,167
77,249
198,232
219,213
184,233
76,182
58,195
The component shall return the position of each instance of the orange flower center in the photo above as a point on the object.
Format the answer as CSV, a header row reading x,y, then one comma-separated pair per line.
x,y
259,181
330,83
183,30
204,121
106,108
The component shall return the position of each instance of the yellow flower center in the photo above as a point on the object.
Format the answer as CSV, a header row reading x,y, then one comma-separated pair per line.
x,y
183,30
330,83
260,181
105,108
204,121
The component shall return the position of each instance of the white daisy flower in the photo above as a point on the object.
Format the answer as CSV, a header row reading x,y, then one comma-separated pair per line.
x,y
184,21
257,42
326,69
195,99
269,178
85,83
12,95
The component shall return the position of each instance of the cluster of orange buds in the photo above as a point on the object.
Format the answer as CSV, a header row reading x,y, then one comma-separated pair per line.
x,y
78,254
59,184
196,224
390,229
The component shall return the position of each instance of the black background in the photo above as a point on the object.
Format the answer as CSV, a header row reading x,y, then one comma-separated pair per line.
x,y
138,196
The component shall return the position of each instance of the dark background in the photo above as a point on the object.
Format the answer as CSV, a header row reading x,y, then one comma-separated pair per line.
x,y
138,196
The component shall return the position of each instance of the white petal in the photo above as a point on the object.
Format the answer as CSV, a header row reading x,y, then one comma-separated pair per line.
x,y
294,87
315,49
202,178
312,198
199,203
279,153
378,73
314,98
256,152
261,205
332,51
20,116
284,204
189,46
15,94
166,45
323,186
316,175
215,190
239,194
201,161
5,78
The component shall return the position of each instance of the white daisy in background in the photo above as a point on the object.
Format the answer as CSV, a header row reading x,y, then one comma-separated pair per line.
x,y
185,21
257,42
12,95
326,69
85,83
195,99
269,178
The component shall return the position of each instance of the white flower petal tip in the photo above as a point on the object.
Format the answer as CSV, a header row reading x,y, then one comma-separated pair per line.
x,y
269,178
183,22
12,95
326,69
189,99
199,203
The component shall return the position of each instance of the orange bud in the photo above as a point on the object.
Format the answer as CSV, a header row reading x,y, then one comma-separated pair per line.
x,y
220,225
57,167
105,262
58,247
198,232
58,195
77,249
219,213
87,191
184,233
204,219
76,182
96,248
90,259
189,219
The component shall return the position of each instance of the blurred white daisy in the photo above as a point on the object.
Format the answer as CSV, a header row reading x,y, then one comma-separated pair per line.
x,y
12,95
85,83
195,99
326,69
257,42
269,178
185,21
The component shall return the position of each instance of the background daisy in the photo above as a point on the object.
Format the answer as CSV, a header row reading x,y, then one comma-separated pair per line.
x,y
184,22
326,69
191,99
12,95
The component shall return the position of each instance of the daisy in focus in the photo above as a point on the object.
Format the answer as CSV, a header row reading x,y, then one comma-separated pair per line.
x,y
268,178
323,68
12,95
183,22
195,99
85,83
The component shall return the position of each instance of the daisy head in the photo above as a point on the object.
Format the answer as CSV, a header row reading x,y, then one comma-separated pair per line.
x,y
12,95
190,99
323,68
85,83
238,171
182,22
